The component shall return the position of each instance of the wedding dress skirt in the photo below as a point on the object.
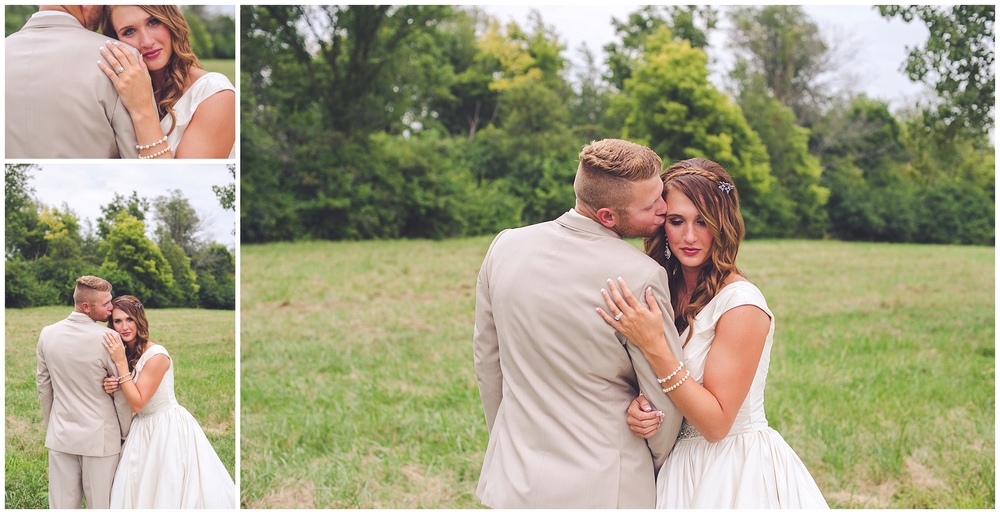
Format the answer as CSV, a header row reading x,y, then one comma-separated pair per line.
x,y
167,461
752,467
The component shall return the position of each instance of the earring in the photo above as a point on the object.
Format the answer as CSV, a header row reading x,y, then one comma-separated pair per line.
x,y
666,251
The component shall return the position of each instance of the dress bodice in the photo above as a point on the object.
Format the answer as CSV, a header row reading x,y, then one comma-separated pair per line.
x,y
206,86
163,398
751,414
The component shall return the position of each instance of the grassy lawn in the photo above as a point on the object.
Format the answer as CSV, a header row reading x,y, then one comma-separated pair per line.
x,y
358,387
202,344
226,67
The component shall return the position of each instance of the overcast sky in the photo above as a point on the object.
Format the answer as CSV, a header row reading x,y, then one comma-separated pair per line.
x,y
86,187
882,42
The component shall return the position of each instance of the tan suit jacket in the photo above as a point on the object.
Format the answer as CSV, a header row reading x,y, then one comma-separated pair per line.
x,y
59,104
80,418
555,379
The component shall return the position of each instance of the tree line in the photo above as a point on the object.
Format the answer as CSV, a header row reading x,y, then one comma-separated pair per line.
x,y
213,36
363,122
46,250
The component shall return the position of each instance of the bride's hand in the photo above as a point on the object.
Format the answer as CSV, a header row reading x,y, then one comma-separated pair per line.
x,y
641,325
642,419
132,83
114,345
110,385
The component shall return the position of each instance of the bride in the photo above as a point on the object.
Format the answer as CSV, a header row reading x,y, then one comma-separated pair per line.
x,y
726,456
194,115
166,462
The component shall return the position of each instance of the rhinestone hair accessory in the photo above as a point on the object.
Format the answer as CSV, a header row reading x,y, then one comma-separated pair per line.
x,y
137,305
725,187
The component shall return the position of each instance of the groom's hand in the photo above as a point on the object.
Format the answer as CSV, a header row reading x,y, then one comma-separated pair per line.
x,y
110,384
642,419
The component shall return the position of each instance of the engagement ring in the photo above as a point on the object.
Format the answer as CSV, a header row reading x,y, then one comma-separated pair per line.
x,y
619,315
119,70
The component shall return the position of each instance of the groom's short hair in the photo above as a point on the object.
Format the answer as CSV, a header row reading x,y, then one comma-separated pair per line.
x,y
87,286
607,169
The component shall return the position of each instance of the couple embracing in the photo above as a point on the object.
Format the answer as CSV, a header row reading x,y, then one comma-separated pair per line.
x,y
133,90
90,381
656,397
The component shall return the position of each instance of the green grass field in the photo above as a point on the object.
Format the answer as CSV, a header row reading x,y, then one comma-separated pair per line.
x,y
358,387
226,67
202,345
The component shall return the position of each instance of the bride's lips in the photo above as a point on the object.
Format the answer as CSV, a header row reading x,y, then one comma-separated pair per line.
x,y
149,56
690,251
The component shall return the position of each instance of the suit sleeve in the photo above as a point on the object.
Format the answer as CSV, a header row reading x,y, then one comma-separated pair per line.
x,y
43,381
663,440
486,345
122,410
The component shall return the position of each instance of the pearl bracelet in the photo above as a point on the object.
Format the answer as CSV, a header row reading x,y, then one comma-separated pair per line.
x,y
678,384
676,371
164,140
157,154
124,378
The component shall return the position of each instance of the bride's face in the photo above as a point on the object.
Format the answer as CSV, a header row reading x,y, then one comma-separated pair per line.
x,y
687,233
124,325
145,33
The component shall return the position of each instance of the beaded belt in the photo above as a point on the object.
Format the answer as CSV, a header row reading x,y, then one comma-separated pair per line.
x,y
688,431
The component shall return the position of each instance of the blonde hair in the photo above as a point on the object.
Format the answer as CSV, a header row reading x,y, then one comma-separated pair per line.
x,y
87,287
712,191
607,169
182,59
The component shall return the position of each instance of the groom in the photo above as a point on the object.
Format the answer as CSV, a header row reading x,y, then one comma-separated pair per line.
x,y
554,378
84,427
58,103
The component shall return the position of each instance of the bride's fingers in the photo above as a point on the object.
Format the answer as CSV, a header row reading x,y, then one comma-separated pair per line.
x,y
617,297
112,59
123,55
627,293
612,307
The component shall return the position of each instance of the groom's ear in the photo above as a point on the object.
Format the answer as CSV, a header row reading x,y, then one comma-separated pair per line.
x,y
607,217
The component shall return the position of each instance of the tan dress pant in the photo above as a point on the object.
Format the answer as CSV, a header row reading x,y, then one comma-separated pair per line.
x,y
73,477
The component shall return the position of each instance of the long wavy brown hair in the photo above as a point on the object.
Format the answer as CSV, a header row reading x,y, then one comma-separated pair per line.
x,y
133,308
181,59
700,180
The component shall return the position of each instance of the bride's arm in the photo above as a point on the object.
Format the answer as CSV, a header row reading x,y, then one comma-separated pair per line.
x,y
729,369
212,130
136,92
137,392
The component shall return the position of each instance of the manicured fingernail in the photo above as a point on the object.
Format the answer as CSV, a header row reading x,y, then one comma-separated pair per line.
x,y
619,279
647,408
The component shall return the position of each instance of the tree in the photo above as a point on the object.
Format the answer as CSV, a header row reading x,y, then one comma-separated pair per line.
x,y
691,23
797,199
201,40
227,194
135,206
783,46
177,220
134,264
957,62
184,292
669,105
216,269
19,207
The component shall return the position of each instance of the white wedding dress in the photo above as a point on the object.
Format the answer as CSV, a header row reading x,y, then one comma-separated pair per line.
x,y
206,86
167,462
752,467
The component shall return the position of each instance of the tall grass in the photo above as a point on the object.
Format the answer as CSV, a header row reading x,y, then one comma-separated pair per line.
x,y
358,387
202,346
